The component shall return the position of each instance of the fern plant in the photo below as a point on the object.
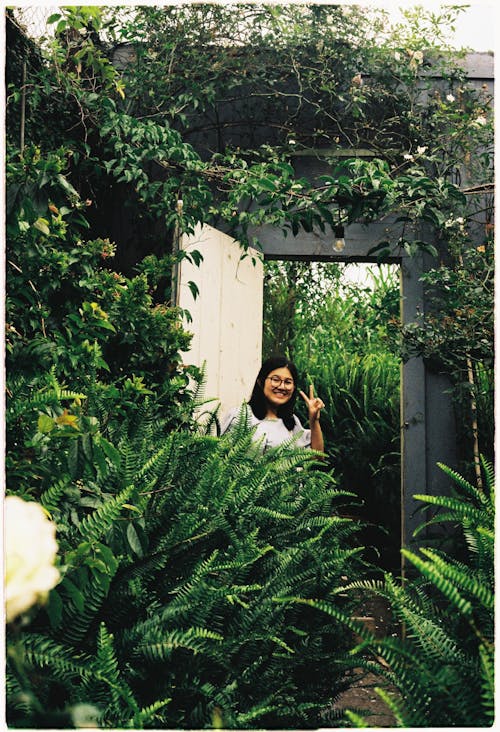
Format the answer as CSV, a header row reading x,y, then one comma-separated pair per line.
x,y
180,552
442,665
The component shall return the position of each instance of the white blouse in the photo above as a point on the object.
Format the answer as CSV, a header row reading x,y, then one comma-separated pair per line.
x,y
272,432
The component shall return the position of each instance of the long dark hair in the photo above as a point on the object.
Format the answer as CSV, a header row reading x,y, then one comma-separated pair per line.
x,y
258,402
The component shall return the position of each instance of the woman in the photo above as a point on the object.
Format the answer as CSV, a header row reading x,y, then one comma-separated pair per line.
x,y
270,409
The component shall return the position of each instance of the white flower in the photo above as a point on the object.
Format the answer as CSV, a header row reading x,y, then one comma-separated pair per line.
x,y
421,149
480,121
450,98
408,156
397,55
416,58
415,55
459,222
30,551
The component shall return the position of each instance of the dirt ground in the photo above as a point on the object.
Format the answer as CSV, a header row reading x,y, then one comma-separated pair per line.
x,y
361,696
362,699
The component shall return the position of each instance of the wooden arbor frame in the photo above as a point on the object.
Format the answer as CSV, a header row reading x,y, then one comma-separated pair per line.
x,y
427,421
427,426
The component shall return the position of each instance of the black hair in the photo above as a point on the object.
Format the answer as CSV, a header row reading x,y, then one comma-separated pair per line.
x,y
258,402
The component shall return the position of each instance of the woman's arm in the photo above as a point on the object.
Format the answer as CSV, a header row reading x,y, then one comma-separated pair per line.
x,y
314,407
317,441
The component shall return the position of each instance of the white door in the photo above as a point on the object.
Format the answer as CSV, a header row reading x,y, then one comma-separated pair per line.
x,y
226,315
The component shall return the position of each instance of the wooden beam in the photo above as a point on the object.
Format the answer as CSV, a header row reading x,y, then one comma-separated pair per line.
x,y
317,244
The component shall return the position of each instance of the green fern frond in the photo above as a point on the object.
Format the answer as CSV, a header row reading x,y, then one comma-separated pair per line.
x,y
459,577
155,466
488,534
396,707
374,586
403,669
145,717
50,498
433,639
131,461
487,659
401,601
357,720
442,583
17,696
44,653
330,610
460,509
489,473
94,526
42,398
79,616
320,522
244,720
464,484
193,639
107,672
269,513
437,519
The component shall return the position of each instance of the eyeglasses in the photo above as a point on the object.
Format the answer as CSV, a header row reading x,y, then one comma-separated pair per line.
x,y
276,381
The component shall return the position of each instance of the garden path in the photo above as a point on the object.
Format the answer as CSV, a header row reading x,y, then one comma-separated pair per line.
x,y
361,696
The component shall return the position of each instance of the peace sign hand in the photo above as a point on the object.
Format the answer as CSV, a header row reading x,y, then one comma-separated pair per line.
x,y
314,404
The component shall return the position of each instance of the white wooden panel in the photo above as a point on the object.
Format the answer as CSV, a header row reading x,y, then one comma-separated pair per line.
x,y
226,315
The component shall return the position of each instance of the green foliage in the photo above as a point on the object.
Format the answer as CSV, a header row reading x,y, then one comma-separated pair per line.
x,y
133,144
320,82
178,554
442,665
71,319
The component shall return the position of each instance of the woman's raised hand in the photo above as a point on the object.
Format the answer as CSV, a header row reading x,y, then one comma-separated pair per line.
x,y
314,404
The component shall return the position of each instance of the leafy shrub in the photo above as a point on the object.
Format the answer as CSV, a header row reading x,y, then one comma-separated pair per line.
x,y
442,666
72,320
179,553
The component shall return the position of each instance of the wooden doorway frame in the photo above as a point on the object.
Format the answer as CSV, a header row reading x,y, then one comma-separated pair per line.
x,y
427,425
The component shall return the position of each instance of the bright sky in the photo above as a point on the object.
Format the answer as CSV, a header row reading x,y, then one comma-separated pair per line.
x,y
475,26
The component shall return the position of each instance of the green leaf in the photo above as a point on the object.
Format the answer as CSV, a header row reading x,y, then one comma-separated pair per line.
x,y
74,593
268,184
107,556
62,25
42,225
45,424
194,289
66,185
133,540
110,450
54,609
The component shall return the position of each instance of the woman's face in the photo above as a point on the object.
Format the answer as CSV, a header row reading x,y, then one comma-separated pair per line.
x,y
278,387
